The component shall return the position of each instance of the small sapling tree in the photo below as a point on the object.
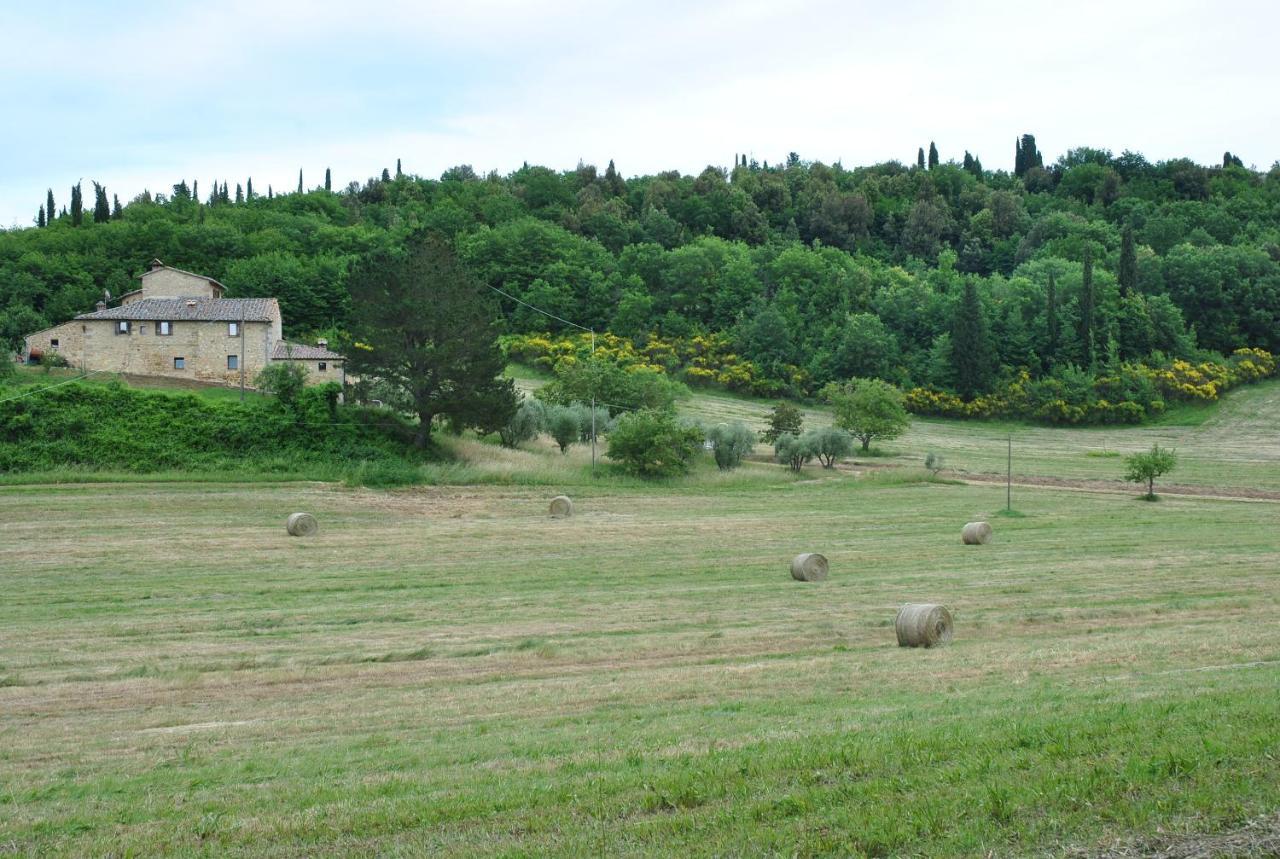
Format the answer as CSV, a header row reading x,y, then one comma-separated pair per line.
x,y
784,419
1146,467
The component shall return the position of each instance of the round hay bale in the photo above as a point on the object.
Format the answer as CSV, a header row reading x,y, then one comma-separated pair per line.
x,y
923,625
301,525
976,534
809,567
561,506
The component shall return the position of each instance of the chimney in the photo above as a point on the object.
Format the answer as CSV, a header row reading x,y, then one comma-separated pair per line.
x,y
322,343
102,305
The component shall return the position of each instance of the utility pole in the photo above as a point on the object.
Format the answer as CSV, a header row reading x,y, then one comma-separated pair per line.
x,y
1008,480
593,405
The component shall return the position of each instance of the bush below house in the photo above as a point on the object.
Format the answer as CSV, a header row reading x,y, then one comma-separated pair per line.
x,y
111,427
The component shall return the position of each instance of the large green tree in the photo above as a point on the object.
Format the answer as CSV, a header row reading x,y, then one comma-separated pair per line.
x,y
424,325
870,409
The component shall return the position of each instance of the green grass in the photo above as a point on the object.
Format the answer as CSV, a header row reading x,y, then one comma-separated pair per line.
x,y
448,671
445,670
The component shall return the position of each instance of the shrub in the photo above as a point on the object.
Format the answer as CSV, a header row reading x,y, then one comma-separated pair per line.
x,y
528,420
562,425
934,463
829,444
793,450
653,443
284,379
730,443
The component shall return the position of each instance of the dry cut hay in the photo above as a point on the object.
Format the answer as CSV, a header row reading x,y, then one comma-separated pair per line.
x,y
301,525
809,567
976,534
923,625
561,506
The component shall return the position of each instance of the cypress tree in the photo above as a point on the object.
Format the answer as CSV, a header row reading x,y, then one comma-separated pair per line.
x,y
328,180
933,155
920,158
40,217
195,190
270,193
248,188
1051,314
977,167
239,193
968,162
386,175
299,180
1019,167
1128,274
116,211
101,208
399,172
1086,307
972,357
50,212
77,206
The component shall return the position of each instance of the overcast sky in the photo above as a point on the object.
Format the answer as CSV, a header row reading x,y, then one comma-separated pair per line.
x,y
142,94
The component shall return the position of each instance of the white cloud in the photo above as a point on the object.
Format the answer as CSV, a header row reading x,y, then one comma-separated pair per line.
x,y
258,88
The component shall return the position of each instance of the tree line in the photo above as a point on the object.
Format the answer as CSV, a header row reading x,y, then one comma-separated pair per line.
x,y
941,274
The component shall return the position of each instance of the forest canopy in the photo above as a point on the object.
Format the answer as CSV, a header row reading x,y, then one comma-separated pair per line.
x,y
940,276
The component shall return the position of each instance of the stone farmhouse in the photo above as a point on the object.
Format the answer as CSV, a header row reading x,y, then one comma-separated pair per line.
x,y
177,324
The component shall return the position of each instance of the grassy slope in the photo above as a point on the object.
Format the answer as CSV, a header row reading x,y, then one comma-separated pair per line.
x,y
449,671
1231,444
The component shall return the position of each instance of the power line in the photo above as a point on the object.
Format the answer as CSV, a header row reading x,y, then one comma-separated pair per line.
x,y
540,310
50,387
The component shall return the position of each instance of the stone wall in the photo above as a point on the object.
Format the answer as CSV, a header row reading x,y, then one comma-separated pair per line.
x,y
167,283
204,346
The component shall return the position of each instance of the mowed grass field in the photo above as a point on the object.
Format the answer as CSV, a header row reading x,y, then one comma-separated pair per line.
x,y
446,670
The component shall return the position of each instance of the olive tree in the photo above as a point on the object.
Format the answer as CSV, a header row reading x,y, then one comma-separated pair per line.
x,y
829,444
562,425
730,443
793,450
525,424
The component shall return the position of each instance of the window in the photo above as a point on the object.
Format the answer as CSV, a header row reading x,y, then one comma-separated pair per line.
x,y
179,363
53,343
233,362
233,329
322,366
122,327
142,328
164,329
